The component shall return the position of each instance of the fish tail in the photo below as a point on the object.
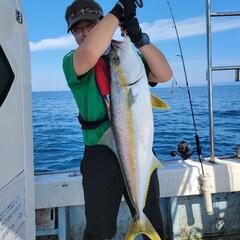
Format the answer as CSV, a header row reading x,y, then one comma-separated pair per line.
x,y
141,226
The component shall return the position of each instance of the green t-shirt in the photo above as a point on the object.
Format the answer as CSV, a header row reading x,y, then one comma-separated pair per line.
x,y
88,98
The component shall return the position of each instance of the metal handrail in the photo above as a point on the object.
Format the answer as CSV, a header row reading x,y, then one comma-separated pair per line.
x,y
210,69
220,68
225,14
209,78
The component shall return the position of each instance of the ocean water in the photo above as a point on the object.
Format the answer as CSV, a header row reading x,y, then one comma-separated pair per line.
x,y
58,142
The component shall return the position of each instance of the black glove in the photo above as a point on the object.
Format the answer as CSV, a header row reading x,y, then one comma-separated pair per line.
x,y
124,10
133,29
135,33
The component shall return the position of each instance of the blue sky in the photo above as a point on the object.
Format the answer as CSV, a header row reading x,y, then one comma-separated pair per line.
x,y
49,41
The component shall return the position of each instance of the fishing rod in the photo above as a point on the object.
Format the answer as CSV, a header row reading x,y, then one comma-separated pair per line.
x,y
183,148
199,151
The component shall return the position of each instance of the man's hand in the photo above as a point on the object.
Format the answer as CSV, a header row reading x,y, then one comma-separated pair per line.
x,y
132,29
124,10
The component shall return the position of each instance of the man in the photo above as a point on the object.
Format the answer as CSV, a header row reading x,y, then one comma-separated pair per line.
x,y
103,183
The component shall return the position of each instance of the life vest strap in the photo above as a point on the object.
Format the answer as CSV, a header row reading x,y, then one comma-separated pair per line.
x,y
89,125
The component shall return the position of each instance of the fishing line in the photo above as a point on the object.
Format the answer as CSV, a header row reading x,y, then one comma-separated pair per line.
x,y
173,87
199,151
174,83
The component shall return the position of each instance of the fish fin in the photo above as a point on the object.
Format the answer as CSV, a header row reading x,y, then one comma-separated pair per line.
x,y
158,103
132,97
141,226
156,163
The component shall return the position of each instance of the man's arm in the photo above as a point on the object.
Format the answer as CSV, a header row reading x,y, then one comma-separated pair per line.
x,y
160,71
95,44
100,36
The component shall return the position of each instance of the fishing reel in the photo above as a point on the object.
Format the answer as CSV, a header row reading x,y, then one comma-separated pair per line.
x,y
184,150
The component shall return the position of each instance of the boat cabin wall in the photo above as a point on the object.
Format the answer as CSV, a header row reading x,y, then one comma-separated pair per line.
x,y
16,148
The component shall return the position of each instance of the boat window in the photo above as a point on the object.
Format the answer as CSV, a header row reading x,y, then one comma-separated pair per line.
x,y
6,76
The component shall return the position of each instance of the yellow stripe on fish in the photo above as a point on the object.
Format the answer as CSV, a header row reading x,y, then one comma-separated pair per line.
x,y
131,138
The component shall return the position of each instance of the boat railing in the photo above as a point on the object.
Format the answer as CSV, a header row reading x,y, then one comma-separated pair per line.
x,y
211,68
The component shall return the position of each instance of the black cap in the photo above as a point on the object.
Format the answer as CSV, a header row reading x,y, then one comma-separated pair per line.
x,y
82,10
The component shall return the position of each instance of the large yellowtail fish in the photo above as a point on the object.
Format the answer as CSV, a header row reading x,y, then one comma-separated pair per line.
x,y
132,123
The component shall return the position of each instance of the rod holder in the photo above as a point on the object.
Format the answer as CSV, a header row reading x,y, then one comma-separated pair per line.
x,y
206,190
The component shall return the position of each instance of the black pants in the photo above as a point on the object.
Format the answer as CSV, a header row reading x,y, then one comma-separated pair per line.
x,y
103,187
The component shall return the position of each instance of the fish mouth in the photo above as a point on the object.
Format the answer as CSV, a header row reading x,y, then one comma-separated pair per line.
x,y
131,84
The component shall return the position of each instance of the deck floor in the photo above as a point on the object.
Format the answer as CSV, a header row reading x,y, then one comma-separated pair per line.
x,y
210,238
225,238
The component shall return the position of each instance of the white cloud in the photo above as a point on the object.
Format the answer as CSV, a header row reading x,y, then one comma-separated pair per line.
x,y
158,30
163,29
53,43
